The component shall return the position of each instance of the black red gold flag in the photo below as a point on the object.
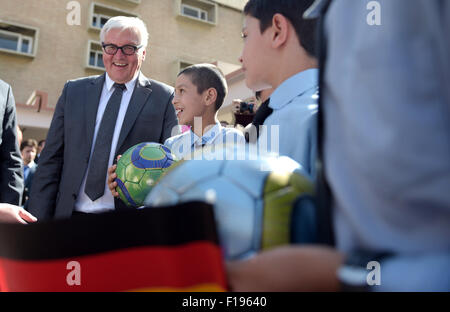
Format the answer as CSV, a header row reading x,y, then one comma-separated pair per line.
x,y
152,249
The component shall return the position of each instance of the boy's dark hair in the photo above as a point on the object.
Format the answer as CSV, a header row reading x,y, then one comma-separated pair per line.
x,y
40,142
205,76
28,143
293,10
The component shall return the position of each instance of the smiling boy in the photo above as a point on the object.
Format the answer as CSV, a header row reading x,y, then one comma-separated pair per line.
x,y
199,93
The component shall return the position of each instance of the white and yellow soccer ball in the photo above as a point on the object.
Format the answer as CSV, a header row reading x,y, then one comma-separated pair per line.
x,y
253,198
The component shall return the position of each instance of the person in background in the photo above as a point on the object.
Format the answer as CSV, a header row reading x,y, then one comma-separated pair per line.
x,y
244,111
40,147
252,130
28,149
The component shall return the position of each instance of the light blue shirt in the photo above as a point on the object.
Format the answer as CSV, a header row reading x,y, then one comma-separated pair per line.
x,y
294,105
186,143
27,168
387,137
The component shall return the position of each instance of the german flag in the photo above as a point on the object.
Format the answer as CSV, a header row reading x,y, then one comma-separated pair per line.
x,y
152,249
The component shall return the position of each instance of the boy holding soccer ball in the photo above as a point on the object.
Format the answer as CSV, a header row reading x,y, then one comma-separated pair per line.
x,y
200,91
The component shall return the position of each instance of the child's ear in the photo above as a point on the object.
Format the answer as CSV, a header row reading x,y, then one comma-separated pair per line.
x,y
280,30
210,96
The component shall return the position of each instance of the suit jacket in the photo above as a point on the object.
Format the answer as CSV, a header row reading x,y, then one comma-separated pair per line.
x,y
28,182
11,174
150,117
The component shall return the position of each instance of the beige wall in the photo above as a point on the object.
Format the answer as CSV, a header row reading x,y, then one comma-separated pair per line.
x,y
62,49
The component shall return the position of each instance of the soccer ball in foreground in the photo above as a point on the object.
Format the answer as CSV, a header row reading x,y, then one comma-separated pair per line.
x,y
139,169
253,198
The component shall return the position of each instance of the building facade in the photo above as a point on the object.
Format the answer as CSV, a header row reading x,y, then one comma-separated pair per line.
x,y
45,43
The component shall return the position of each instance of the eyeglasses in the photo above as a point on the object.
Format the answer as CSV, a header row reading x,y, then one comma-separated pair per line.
x,y
127,49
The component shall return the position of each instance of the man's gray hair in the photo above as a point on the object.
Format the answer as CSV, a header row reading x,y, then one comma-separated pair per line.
x,y
125,22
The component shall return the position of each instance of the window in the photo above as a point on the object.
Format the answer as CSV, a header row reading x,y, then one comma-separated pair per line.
x,y
100,14
17,39
182,65
96,59
183,62
199,10
99,20
194,12
95,56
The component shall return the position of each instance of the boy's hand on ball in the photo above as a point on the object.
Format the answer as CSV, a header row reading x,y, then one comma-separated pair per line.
x,y
112,184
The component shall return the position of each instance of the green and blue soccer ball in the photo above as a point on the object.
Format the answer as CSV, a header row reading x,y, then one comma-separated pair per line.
x,y
139,169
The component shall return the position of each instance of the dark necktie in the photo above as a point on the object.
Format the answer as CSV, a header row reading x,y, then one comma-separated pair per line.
x,y
325,229
261,114
95,182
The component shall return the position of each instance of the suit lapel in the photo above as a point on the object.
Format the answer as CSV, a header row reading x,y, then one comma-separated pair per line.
x,y
141,92
93,94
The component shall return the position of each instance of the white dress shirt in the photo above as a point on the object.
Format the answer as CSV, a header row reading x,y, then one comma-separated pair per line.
x,y
185,143
106,202
26,169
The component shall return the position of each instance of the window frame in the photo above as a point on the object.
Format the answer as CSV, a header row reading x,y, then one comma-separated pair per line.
x,y
199,10
98,16
94,9
33,39
90,49
210,9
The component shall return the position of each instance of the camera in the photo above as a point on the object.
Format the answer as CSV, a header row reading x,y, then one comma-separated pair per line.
x,y
244,107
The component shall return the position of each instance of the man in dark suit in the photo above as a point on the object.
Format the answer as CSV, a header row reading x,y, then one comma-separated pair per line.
x,y
28,149
11,176
96,119
40,147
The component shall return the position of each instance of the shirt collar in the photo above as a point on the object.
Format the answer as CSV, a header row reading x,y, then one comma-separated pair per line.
x,y
294,86
208,137
30,165
130,84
